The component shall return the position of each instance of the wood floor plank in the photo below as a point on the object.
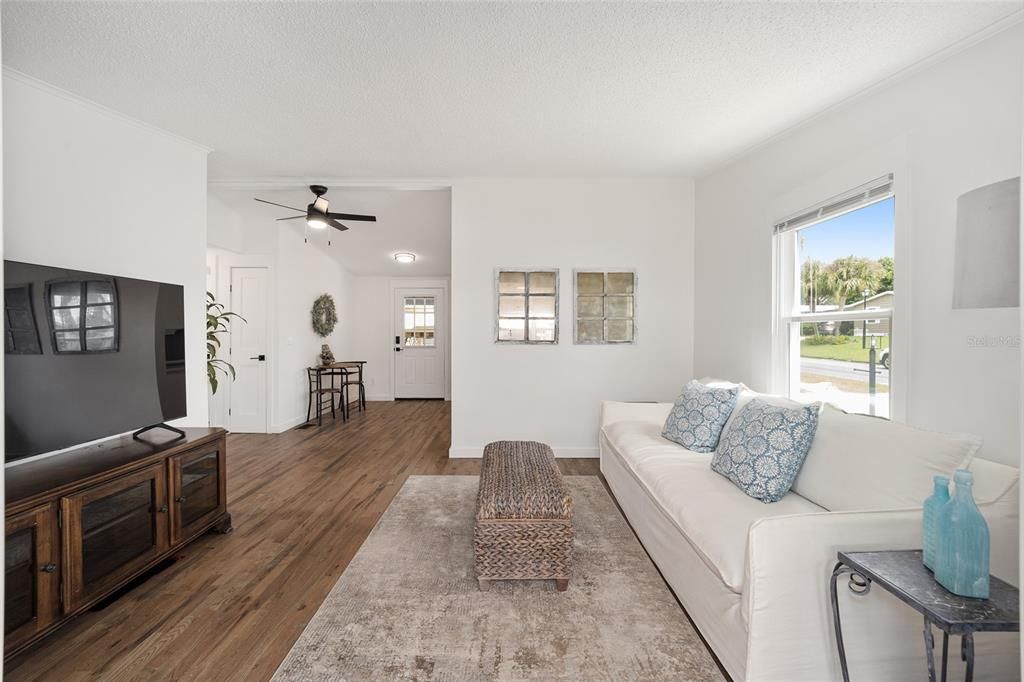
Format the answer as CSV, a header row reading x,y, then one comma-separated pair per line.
x,y
231,606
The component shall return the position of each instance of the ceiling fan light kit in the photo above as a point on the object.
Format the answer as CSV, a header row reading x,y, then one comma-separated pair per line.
x,y
317,214
405,257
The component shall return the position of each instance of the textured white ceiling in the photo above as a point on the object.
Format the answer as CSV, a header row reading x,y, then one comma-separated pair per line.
x,y
417,221
440,90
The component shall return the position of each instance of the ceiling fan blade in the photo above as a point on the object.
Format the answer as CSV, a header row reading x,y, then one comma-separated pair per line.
x,y
294,217
291,208
336,225
352,216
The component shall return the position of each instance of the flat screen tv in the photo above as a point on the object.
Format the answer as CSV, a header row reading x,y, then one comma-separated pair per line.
x,y
88,355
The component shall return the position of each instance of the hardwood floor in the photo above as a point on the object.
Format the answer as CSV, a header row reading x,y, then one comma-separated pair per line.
x,y
231,607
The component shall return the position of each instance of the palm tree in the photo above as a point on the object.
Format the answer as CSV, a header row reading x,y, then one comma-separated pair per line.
x,y
847,277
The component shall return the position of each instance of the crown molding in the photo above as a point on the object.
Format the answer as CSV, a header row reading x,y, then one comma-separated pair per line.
x,y
302,182
51,89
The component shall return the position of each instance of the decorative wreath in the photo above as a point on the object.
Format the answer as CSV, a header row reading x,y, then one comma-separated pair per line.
x,y
324,315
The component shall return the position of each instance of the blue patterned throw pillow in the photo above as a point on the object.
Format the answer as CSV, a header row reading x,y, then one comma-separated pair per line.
x,y
765,446
698,415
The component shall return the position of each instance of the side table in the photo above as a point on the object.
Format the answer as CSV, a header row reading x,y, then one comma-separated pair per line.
x,y
903,574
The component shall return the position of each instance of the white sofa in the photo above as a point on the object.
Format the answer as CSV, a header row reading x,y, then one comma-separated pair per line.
x,y
754,577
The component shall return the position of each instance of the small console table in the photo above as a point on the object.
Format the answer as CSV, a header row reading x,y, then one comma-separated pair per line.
x,y
902,574
83,523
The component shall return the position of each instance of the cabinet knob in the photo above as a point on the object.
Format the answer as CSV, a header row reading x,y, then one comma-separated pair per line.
x,y
49,568
163,509
179,499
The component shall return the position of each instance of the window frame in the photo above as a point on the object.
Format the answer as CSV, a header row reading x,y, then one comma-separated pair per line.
x,y
526,340
575,303
83,306
786,320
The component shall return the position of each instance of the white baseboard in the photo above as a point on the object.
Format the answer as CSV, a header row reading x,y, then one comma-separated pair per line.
x,y
379,397
561,451
281,427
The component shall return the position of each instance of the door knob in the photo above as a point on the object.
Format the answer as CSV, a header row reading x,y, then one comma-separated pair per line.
x,y
398,350
179,499
49,568
261,358
163,509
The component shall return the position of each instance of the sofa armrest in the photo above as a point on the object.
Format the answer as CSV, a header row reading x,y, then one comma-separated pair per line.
x,y
613,411
786,600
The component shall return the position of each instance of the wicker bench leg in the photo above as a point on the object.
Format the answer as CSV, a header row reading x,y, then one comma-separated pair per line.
x,y
485,584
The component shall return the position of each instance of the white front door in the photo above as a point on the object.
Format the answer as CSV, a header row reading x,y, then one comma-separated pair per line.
x,y
249,344
419,343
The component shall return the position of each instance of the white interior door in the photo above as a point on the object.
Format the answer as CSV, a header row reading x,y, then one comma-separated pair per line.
x,y
249,343
419,343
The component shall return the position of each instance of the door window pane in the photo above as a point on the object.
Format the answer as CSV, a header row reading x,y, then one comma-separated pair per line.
x,y
418,315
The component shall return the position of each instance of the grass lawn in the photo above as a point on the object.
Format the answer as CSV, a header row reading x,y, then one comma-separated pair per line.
x,y
850,350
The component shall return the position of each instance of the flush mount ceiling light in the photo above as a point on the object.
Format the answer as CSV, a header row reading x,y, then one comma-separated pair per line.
x,y
405,257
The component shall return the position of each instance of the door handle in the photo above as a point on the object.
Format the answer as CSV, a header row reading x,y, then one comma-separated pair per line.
x,y
49,568
261,358
398,350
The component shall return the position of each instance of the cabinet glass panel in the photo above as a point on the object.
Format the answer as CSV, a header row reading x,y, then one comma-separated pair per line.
x,y
116,529
19,579
199,488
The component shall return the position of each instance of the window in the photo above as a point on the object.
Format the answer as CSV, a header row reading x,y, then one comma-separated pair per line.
x,y
605,307
82,316
21,337
836,299
418,325
527,306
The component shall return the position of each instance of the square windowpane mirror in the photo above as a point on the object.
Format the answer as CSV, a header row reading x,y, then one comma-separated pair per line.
x,y
590,283
99,316
542,282
590,306
66,318
619,306
511,330
618,331
542,330
542,306
68,342
590,331
99,292
99,339
512,306
512,283
619,283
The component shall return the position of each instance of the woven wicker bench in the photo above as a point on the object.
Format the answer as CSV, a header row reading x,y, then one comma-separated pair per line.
x,y
523,525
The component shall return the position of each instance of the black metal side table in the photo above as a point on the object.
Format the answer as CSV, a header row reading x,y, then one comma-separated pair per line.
x,y
902,574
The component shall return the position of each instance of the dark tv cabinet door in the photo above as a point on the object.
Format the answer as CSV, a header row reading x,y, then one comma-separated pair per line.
x,y
198,491
32,574
111,531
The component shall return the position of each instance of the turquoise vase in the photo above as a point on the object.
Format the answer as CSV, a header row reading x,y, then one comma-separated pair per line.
x,y
962,554
932,506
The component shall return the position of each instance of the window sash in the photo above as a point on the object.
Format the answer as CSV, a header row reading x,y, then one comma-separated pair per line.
x,y
842,316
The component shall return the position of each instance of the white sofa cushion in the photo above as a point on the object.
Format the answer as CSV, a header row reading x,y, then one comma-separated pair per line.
x,y
710,512
859,462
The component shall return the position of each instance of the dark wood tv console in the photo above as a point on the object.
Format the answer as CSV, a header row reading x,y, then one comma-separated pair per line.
x,y
83,523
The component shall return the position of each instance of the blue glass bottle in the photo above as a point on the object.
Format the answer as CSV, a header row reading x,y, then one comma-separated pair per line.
x,y
932,506
961,561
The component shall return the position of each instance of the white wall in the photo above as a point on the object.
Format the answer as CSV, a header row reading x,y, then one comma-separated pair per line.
x,y
554,393
301,271
90,189
949,128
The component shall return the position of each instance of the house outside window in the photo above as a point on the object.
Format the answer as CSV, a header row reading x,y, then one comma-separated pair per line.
x,y
83,316
836,299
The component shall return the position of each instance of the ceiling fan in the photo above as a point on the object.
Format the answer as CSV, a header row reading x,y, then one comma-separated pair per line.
x,y
316,214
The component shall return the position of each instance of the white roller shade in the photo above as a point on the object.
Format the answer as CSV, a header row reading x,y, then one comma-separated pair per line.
x,y
859,197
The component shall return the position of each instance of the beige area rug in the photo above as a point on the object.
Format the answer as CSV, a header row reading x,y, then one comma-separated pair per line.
x,y
408,608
